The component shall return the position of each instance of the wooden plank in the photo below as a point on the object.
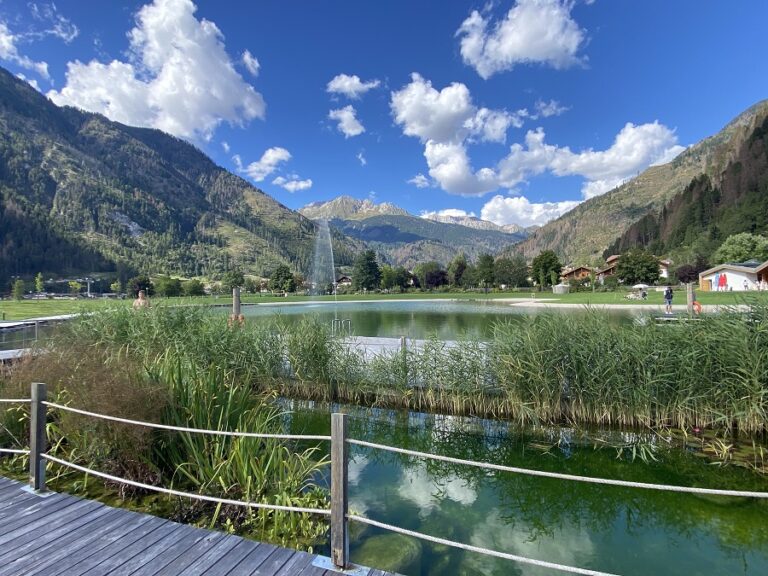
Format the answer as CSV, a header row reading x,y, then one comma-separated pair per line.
x,y
31,543
66,546
109,552
185,539
13,501
123,534
297,563
206,552
228,563
273,562
138,553
63,535
339,494
39,518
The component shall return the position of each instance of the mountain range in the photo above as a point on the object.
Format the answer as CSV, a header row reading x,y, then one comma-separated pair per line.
x,y
402,239
585,234
80,193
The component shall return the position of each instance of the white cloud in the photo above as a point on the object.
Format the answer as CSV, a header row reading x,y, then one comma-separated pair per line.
x,y
533,31
451,212
225,146
292,183
265,165
566,543
634,149
444,120
427,114
420,181
519,210
251,63
361,158
449,165
551,108
350,86
31,81
10,52
179,77
420,487
348,125
58,26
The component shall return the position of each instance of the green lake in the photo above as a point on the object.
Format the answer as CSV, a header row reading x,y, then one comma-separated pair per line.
x,y
625,531
448,320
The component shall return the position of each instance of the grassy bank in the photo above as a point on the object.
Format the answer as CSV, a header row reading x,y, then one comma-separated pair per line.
x,y
25,309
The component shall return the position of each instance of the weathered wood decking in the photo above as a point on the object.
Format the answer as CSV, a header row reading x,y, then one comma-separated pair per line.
x,y
61,534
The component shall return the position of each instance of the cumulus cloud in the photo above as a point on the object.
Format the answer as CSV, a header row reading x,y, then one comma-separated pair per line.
x,y
420,181
350,86
292,183
451,212
348,124
449,165
445,120
551,108
9,52
178,77
532,32
420,487
251,63
634,149
266,165
361,158
519,210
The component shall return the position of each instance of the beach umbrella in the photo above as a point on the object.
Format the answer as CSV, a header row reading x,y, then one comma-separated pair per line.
x,y
640,286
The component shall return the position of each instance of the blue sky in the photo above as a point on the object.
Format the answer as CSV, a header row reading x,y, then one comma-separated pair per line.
x,y
513,111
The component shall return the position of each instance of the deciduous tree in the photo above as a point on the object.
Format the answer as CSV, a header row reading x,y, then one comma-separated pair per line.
x,y
543,266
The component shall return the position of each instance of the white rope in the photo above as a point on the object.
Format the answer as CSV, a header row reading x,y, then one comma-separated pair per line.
x,y
559,476
193,430
15,400
186,494
13,451
478,549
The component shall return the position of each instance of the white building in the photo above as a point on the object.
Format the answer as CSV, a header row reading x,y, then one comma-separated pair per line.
x,y
734,277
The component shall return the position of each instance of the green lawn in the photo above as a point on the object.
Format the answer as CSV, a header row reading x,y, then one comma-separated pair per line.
x,y
20,310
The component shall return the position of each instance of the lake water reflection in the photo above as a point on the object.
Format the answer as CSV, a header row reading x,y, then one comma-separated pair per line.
x,y
447,320
611,529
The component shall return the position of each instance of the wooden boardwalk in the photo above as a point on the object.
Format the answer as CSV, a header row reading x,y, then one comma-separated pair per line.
x,y
61,534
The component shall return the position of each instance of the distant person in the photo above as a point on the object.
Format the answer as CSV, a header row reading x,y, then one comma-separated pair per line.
x,y
668,299
141,301
746,284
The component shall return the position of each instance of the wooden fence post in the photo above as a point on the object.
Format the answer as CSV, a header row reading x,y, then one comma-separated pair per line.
x,y
339,504
37,439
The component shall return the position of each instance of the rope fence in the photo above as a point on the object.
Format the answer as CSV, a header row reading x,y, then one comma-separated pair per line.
x,y
15,400
13,451
559,476
172,492
339,513
183,429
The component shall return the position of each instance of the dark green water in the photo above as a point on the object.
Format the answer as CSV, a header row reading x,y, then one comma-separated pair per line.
x,y
416,319
618,530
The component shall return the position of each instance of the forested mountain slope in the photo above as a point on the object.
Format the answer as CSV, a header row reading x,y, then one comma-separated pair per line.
x,y
584,234
80,193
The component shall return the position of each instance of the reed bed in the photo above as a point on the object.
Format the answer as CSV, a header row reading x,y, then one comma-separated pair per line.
x,y
186,365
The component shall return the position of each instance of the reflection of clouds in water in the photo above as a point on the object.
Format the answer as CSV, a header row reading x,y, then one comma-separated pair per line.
x,y
355,468
418,486
569,546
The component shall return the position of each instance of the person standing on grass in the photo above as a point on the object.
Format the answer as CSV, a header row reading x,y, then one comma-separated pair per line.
x,y
668,299
142,301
